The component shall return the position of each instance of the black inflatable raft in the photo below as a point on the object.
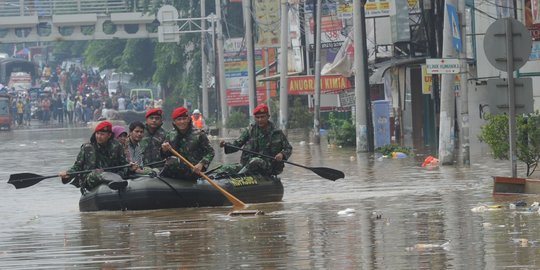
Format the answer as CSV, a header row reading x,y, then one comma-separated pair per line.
x,y
147,192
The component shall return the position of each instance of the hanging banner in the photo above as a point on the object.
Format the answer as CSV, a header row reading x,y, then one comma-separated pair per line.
x,y
235,98
427,83
305,85
332,28
268,18
235,58
377,8
532,18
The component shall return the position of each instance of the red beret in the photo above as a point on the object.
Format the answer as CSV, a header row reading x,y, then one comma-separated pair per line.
x,y
104,126
180,111
260,109
157,111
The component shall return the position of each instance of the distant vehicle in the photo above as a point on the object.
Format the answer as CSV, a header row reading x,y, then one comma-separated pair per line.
x,y
5,112
118,79
20,81
9,66
142,93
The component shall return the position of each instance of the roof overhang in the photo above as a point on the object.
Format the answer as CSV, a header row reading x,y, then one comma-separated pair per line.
x,y
381,68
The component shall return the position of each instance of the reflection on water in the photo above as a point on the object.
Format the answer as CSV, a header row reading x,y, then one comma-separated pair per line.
x,y
400,216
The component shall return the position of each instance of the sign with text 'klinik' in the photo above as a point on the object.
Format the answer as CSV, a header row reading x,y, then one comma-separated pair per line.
x,y
442,66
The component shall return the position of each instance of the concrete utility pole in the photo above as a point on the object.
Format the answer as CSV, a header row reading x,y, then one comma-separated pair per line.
x,y
267,74
204,63
248,38
360,79
463,105
446,128
283,80
221,67
317,105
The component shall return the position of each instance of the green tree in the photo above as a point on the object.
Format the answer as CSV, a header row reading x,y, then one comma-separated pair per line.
x,y
495,133
105,54
138,58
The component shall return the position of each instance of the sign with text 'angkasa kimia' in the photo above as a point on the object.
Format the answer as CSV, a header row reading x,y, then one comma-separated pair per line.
x,y
305,85
442,66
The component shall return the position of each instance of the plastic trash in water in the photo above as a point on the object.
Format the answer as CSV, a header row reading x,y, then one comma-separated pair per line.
x,y
347,211
425,247
534,206
398,155
484,208
520,204
162,233
430,161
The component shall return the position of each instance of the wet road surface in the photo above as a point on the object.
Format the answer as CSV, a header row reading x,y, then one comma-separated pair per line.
x,y
386,214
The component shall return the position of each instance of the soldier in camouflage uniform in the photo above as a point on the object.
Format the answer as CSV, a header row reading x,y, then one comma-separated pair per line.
x,y
262,137
154,136
101,152
189,142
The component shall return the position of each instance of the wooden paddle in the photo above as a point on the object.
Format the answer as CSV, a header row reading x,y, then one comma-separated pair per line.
x,y
328,173
235,201
24,180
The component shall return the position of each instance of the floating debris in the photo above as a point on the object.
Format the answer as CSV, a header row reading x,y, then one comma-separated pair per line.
x,y
425,247
484,208
162,234
347,211
246,213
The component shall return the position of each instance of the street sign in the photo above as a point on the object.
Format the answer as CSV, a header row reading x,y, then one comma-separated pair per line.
x,y
495,44
498,96
442,66
454,25
168,29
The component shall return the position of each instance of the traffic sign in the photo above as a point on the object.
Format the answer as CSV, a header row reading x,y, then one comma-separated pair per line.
x,y
498,96
168,29
495,42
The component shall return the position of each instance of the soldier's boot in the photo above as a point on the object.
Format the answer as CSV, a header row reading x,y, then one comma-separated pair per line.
x,y
118,185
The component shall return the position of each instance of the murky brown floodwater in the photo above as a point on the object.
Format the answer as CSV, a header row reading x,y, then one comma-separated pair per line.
x,y
402,215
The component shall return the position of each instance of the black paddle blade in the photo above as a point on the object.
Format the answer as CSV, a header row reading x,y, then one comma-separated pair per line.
x,y
23,180
328,173
229,148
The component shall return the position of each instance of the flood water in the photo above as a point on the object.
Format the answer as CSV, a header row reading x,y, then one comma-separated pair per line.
x,y
400,216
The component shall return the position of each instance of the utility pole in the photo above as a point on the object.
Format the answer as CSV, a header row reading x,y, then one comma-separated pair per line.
x,y
221,66
267,74
248,38
463,105
317,105
204,62
446,128
283,80
360,78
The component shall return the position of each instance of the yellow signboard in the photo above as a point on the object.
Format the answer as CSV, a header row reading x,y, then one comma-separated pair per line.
x,y
427,84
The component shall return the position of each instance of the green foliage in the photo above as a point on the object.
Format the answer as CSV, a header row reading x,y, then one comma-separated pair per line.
x,y
341,131
237,119
300,117
68,49
105,54
138,57
389,148
495,133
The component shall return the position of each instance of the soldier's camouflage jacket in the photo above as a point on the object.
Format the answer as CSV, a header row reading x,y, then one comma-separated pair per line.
x,y
151,145
269,141
193,145
94,156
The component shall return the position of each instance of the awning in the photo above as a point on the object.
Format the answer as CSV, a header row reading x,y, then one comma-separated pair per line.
x,y
378,74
